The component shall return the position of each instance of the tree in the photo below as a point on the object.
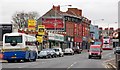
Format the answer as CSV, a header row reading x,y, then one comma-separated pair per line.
x,y
21,18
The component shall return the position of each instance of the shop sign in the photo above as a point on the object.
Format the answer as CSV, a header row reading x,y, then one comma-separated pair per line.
x,y
57,37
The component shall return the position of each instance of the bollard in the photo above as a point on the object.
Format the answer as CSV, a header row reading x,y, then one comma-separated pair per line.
x,y
118,61
118,65
117,56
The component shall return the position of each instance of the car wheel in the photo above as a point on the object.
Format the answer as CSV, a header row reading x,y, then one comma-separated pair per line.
x,y
63,55
99,57
46,57
38,57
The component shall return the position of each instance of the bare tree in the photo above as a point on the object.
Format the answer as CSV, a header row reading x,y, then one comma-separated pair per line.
x,y
21,18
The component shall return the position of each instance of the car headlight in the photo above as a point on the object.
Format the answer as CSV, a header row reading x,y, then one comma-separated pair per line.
x,y
98,53
89,53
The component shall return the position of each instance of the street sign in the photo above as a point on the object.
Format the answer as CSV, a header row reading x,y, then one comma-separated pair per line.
x,y
115,34
40,39
115,40
41,30
31,24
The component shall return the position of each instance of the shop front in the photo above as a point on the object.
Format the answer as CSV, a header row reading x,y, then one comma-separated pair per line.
x,y
55,40
78,42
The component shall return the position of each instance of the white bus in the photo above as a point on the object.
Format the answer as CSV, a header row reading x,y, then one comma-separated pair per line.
x,y
19,46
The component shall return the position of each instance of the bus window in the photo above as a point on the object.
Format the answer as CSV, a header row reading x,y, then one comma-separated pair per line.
x,y
9,39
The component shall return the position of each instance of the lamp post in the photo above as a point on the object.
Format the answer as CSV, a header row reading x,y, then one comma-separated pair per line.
x,y
94,25
97,20
109,27
55,23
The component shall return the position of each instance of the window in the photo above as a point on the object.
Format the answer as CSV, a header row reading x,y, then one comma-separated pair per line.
x,y
9,39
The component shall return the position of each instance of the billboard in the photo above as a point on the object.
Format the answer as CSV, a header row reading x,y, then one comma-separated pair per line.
x,y
52,23
31,24
5,28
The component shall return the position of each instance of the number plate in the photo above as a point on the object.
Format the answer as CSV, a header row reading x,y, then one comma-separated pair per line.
x,y
13,57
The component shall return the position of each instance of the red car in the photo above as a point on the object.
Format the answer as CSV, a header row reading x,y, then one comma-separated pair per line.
x,y
95,51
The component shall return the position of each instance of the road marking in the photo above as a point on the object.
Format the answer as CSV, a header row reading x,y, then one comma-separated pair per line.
x,y
71,65
108,54
105,65
108,60
19,67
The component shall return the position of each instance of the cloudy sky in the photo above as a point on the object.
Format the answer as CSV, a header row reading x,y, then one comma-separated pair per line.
x,y
94,10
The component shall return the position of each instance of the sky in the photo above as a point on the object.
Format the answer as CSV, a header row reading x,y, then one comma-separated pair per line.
x,y
95,10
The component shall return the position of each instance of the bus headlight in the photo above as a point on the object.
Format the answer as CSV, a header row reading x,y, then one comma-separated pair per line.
x,y
26,48
3,50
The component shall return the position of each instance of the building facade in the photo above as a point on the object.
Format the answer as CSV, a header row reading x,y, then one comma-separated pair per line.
x,y
71,24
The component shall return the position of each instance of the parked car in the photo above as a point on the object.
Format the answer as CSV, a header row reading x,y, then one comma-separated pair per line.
x,y
77,50
52,52
44,54
59,52
69,51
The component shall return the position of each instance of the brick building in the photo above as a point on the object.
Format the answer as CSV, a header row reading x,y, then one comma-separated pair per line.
x,y
71,24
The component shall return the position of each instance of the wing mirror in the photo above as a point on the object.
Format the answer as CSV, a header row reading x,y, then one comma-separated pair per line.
x,y
88,50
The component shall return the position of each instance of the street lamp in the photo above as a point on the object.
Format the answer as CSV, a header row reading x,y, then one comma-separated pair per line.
x,y
55,23
97,20
109,25
94,25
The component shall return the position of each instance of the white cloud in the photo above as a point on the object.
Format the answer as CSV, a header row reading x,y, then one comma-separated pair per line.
x,y
93,9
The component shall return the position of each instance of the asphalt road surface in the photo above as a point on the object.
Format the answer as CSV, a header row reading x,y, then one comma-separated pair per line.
x,y
74,61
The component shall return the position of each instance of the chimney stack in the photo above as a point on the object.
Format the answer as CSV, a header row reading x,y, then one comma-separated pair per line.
x,y
56,8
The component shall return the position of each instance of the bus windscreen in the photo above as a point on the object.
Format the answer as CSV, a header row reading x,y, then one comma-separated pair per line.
x,y
9,39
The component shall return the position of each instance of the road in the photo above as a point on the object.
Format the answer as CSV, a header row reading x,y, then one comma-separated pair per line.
x,y
74,61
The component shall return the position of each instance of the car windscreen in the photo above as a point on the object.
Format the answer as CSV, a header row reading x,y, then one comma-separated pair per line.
x,y
97,43
10,39
106,37
95,49
56,50
43,52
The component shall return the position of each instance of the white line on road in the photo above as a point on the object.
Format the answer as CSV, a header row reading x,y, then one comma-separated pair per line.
x,y
108,60
105,65
108,54
71,65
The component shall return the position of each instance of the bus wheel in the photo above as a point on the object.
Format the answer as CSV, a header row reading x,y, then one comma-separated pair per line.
x,y
28,60
34,59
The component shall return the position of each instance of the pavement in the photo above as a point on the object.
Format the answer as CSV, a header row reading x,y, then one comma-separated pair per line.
x,y
2,61
111,63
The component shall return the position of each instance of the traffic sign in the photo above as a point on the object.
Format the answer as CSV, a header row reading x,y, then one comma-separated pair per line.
x,y
115,40
41,30
115,34
31,24
40,39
